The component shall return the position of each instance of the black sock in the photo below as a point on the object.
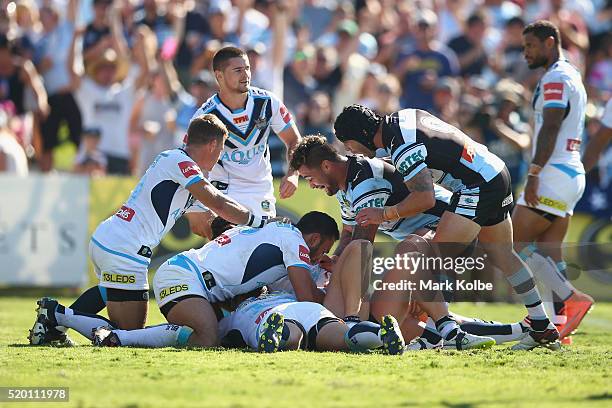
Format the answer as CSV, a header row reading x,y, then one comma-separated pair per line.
x,y
431,336
90,301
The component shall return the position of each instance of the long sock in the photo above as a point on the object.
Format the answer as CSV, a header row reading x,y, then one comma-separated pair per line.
x,y
163,335
524,286
447,327
84,323
363,336
550,274
502,333
93,300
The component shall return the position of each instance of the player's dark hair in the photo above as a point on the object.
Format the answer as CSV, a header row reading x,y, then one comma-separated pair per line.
x,y
356,122
222,56
542,29
219,225
205,129
318,222
311,151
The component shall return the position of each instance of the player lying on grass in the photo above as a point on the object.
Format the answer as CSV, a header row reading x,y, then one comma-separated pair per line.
x,y
121,246
237,262
359,182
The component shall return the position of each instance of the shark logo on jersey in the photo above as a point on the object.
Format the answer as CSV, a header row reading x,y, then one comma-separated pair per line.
x,y
262,122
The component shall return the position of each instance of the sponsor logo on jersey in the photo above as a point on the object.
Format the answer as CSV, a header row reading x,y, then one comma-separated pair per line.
x,y
265,205
285,114
189,168
573,145
240,119
304,253
223,239
468,152
125,213
378,202
411,157
553,91
172,290
507,201
261,315
118,278
549,202
242,156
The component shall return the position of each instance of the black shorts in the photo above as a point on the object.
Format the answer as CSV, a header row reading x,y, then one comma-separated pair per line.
x,y
486,204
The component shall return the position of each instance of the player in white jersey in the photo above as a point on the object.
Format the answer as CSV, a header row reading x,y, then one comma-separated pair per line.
x,y
122,245
236,262
243,171
555,181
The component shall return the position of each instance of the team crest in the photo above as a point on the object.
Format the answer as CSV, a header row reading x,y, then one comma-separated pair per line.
x,y
265,205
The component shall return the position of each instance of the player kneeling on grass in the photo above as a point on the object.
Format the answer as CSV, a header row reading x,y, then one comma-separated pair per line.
x,y
236,262
277,321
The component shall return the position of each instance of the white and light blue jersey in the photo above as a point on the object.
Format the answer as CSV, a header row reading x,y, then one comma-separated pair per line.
x,y
157,201
243,259
375,183
561,87
245,160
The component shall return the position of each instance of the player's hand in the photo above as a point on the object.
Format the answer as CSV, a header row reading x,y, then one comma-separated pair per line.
x,y
288,185
531,191
328,262
415,310
370,216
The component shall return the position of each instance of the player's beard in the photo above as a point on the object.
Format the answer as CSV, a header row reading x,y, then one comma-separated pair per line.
x,y
538,62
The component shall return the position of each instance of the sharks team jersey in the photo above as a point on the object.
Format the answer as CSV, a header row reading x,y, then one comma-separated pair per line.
x,y
416,139
243,259
245,160
562,87
159,199
375,183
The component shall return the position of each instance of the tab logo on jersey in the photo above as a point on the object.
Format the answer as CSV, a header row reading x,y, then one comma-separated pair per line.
x,y
172,290
118,278
573,145
240,119
304,254
553,91
189,168
125,213
284,112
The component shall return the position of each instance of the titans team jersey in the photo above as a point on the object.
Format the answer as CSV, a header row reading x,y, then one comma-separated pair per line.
x,y
243,259
245,160
416,139
561,87
375,183
159,199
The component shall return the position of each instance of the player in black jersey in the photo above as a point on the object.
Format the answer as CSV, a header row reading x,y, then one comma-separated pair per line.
x,y
417,142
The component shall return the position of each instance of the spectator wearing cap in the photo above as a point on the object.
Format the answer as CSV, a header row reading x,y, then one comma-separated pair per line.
x,y
202,87
298,82
469,47
420,68
52,57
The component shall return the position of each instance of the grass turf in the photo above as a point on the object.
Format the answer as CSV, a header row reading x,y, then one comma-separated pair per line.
x,y
169,377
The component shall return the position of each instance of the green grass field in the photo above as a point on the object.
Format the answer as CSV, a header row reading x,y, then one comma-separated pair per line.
x,y
579,375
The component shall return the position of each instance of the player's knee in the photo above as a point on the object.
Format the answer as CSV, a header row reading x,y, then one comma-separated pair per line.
x,y
413,243
360,246
204,338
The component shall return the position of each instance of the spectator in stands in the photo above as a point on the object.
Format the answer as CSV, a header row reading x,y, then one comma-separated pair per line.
x,y
389,92
420,68
446,100
97,36
299,83
13,159
469,46
319,117
193,38
53,56
89,159
154,119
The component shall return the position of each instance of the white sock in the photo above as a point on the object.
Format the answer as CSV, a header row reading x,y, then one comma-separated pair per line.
x,y
545,270
163,335
84,323
502,333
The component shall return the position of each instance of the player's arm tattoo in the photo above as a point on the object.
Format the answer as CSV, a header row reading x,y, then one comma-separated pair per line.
x,y
422,181
365,232
346,236
547,138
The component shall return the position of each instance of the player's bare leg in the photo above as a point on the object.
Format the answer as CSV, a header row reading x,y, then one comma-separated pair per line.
x,y
198,314
128,315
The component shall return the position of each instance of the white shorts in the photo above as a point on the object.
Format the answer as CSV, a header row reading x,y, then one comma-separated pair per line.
x,y
249,321
172,281
119,270
560,189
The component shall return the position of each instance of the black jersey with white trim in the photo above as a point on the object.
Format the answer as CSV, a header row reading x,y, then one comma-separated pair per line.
x,y
415,139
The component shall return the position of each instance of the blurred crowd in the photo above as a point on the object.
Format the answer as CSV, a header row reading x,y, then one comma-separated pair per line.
x,y
120,79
